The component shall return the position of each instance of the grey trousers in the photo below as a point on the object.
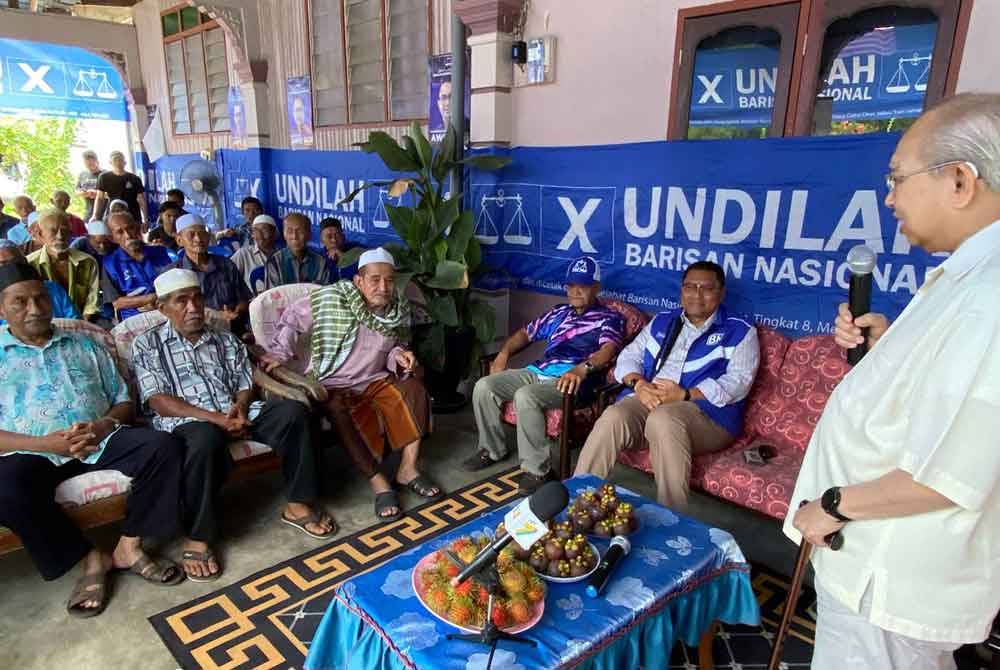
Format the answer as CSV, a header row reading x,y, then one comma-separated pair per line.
x,y
532,395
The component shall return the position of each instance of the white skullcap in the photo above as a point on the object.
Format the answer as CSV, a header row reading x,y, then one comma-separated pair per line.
x,y
264,218
377,255
174,280
116,202
97,228
32,217
187,221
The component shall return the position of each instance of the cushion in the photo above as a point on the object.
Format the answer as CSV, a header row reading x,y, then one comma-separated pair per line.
x,y
92,486
812,368
137,324
97,333
635,319
265,311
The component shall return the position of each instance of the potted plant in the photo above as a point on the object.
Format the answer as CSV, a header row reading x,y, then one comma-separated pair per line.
x,y
438,254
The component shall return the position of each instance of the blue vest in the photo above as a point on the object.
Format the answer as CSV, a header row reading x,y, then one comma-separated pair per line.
x,y
708,358
132,277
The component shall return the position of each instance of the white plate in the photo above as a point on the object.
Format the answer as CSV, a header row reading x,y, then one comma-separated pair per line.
x,y
570,580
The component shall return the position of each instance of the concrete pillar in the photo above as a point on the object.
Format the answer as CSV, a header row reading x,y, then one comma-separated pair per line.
x,y
490,23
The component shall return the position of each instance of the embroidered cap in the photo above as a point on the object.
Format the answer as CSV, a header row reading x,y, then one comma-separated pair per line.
x,y
189,220
583,270
175,280
377,255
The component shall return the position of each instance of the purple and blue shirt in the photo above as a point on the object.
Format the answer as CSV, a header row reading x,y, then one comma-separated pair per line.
x,y
572,337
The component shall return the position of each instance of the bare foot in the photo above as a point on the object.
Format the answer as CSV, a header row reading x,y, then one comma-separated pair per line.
x,y
299,510
196,568
95,563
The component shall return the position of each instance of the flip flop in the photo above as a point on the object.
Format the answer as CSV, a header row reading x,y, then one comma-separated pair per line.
x,y
202,557
161,571
83,591
421,485
384,501
301,522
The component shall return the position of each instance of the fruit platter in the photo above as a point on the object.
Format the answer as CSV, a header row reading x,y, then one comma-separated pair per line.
x,y
600,514
518,608
560,556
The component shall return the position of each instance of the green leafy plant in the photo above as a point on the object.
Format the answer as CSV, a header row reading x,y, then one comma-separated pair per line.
x,y
439,253
40,149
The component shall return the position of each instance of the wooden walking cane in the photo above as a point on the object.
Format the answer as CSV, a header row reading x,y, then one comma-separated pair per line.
x,y
836,541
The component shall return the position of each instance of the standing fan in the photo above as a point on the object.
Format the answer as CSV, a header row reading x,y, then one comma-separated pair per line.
x,y
201,182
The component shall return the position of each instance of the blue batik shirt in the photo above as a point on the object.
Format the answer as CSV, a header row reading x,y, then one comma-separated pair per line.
x,y
129,277
45,389
572,337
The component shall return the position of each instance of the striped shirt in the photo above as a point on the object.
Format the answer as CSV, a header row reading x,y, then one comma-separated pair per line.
x,y
284,268
208,374
573,337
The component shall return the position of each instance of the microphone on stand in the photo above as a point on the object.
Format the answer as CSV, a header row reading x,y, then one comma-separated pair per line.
x,y
618,550
528,518
861,261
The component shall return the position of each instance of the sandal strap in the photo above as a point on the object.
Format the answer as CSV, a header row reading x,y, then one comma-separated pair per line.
x,y
82,592
201,556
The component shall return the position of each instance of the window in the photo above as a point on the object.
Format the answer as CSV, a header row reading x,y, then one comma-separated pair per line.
x,y
197,72
369,60
752,72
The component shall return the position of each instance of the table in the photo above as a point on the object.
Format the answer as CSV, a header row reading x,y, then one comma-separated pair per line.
x,y
680,578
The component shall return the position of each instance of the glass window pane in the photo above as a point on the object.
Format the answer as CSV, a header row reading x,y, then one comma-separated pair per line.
x,y
408,52
177,83
329,94
171,24
874,71
189,18
733,84
365,60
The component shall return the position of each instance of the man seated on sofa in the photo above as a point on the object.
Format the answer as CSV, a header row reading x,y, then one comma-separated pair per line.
x,y
65,410
687,400
72,269
359,353
62,306
130,271
297,263
198,384
583,336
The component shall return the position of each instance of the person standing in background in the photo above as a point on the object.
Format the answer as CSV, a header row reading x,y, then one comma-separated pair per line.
x,y
86,182
119,184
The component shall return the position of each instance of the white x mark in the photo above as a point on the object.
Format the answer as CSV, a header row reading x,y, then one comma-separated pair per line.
x,y
36,78
711,86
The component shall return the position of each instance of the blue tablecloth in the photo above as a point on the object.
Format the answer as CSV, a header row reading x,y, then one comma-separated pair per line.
x,y
680,577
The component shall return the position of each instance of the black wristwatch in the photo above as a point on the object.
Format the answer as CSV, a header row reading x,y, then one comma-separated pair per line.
x,y
687,394
632,383
830,502
588,366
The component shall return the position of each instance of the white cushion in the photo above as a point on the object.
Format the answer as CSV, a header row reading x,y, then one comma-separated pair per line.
x,y
265,312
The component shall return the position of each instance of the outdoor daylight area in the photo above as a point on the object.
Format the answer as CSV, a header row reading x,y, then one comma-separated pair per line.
x,y
499,334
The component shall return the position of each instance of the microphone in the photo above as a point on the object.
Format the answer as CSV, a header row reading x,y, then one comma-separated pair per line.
x,y
525,523
619,549
861,261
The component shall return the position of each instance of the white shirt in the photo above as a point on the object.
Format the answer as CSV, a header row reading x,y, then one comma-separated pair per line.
x,y
247,259
731,387
926,400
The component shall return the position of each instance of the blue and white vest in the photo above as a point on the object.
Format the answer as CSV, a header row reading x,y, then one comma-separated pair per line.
x,y
708,358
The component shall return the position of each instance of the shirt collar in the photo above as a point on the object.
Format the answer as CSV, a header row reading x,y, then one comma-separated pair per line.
x,y
973,251
170,333
188,265
7,339
75,256
706,325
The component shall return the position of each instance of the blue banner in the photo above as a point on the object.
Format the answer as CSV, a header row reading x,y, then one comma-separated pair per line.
x,y
40,79
778,215
879,75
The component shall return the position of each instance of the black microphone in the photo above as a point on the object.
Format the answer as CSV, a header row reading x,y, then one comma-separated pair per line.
x,y
543,504
861,261
618,550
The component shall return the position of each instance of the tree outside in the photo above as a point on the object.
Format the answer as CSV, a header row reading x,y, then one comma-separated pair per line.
x,y
35,153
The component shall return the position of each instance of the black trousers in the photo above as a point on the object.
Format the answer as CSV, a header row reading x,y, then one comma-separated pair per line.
x,y
283,425
28,507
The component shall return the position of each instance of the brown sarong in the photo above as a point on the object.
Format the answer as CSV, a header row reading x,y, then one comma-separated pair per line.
x,y
388,410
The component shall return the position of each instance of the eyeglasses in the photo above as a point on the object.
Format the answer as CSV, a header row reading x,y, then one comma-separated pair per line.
x,y
894,180
703,289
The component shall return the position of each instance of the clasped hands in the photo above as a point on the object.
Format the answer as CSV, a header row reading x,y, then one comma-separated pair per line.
x,y
658,392
234,422
79,440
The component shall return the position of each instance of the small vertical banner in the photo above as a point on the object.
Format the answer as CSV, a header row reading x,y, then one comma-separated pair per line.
x,y
237,118
299,101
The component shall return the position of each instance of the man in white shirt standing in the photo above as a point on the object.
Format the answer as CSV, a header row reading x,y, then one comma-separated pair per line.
x,y
904,461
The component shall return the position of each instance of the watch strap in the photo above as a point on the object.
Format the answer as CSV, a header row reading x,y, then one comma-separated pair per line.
x,y
830,502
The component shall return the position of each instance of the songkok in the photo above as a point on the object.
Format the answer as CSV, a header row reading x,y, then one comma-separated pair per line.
x,y
97,228
377,255
14,273
117,202
264,218
174,280
187,221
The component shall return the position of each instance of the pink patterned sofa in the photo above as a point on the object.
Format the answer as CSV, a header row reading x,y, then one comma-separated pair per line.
x,y
793,383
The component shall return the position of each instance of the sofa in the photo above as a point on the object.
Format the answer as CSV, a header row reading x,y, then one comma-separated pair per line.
x,y
794,381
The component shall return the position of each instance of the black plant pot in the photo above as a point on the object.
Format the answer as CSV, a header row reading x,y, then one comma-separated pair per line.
x,y
442,384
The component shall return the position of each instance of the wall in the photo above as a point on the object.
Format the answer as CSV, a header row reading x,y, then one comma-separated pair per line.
x,y
978,71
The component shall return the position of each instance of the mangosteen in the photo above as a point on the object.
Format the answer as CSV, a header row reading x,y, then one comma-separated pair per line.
x,y
563,569
578,568
571,550
621,526
539,562
604,528
564,530
554,550
582,522
596,513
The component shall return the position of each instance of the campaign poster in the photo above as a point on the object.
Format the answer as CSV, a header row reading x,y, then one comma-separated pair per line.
x,y
237,118
439,113
300,122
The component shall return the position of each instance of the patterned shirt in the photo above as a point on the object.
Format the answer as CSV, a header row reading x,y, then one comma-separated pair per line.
x,y
284,268
125,276
83,281
71,378
221,283
573,337
247,259
208,374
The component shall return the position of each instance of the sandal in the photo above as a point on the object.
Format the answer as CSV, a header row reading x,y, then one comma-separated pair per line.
x,y
312,517
387,500
162,572
423,487
88,587
480,461
202,557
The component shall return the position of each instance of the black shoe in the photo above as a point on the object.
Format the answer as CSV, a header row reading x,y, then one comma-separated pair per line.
x,y
528,483
479,461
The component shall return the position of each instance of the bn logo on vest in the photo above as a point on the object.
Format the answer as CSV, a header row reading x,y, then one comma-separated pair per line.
x,y
714,339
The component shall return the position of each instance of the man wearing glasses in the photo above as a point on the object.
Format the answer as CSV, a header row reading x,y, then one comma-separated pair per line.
x,y
688,374
905,461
